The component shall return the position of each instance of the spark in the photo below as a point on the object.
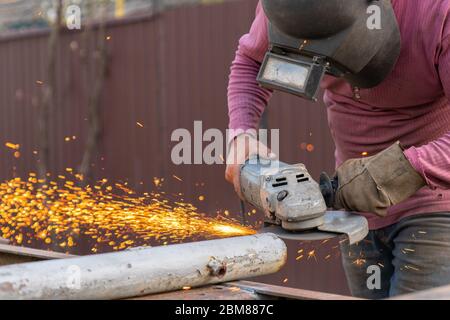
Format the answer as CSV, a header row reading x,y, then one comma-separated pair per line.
x,y
299,258
177,178
187,288
39,82
310,147
380,264
411,268
12,145
307,146
104,217
312,254
285,280
108,38
201,198
157,181
365,154
17,154
140,124
359,262
229,229
328,257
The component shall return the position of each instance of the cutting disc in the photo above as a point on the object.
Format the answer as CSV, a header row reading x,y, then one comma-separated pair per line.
x,y
336,223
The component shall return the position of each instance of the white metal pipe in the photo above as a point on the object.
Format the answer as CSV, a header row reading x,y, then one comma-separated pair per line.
x,y
145,271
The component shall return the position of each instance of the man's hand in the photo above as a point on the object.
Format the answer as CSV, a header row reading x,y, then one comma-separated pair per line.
x,y
376,183
241,149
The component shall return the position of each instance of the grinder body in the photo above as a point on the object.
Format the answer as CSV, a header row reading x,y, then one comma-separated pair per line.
x,y
286,194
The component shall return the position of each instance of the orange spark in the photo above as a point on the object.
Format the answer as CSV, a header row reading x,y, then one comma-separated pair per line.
x,y
177,178
312,254
157,181
140,124
359,262
12,145
100,218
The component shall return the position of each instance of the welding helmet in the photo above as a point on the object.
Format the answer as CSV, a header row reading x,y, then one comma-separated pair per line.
x,y
357,40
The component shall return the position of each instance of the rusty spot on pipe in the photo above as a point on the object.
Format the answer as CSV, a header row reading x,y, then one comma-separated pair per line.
x,y
216,267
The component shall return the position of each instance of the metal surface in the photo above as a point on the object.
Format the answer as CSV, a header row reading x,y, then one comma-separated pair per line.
x,y
245,290
336,224
145,271
441,293
10,254
33,253
286,292
164,76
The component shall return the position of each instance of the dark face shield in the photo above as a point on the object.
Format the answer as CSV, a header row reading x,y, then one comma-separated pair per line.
x,y
310,38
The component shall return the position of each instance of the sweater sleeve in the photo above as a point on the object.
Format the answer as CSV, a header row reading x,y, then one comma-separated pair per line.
x,y
433,159
246,99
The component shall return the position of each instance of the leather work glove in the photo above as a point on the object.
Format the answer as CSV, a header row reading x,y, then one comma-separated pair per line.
x,y
376,183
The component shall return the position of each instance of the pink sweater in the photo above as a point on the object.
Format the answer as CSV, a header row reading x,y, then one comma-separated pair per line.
x,y
411,105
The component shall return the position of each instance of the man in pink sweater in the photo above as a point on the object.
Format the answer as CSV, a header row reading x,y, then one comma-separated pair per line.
x,y
409,238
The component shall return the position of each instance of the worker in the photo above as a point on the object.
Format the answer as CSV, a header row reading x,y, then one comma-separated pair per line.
x,y
402,188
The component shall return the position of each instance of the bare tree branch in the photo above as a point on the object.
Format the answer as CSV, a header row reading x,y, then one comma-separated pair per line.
x,y
94,129
49,94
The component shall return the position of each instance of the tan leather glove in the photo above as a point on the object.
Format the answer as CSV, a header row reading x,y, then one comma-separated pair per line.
x,y
376,183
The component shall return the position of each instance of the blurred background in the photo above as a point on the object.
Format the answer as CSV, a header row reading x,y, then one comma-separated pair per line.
x,y
105,99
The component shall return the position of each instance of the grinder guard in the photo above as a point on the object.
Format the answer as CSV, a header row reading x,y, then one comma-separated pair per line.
x,y
333,37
